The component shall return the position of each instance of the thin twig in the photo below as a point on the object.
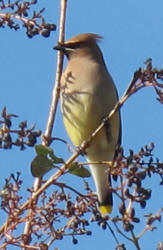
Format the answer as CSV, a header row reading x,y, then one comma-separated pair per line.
x,y
63,185
54,101
135,240
119,231
23,19
112,232
56,90
146,229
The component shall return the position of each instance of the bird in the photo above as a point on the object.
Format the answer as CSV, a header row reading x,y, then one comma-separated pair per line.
x,y
88,94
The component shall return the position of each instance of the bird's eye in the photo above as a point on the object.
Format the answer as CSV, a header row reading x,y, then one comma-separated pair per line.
x,y
74,45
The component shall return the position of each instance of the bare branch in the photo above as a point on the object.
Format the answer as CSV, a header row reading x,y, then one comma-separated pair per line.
x,y
55,96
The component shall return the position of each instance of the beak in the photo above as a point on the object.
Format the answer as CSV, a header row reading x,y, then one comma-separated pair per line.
x,y
59,47
62,47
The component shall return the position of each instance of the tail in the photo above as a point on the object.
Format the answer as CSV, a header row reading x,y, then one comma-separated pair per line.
x,y
102,180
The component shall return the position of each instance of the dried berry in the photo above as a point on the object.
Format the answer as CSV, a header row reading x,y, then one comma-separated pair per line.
x,y
74,241
143,204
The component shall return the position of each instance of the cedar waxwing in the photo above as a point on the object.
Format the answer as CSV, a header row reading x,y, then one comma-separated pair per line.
x,y
88,94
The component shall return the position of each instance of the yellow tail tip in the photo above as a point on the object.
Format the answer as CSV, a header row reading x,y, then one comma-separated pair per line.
x,y
105,209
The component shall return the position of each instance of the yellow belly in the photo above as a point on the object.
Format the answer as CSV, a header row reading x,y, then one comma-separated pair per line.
x,y
81,116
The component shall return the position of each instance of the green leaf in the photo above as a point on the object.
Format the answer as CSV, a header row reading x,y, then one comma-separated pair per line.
x,y
55,159
40,165
47,151
77,170
43,150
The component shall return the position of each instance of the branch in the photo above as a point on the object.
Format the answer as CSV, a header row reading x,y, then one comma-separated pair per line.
x,y
135,240
18,11
56,89
54,102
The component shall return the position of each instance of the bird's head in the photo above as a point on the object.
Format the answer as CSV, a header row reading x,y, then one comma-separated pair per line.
x,y
80,45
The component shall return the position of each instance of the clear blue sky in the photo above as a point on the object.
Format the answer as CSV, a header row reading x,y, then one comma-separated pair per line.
x,y
132,32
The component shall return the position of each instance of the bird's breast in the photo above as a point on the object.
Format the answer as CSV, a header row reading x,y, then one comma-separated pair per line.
x,y
79,115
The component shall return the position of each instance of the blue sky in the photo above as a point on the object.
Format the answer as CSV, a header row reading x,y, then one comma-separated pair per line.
x,y
132,32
